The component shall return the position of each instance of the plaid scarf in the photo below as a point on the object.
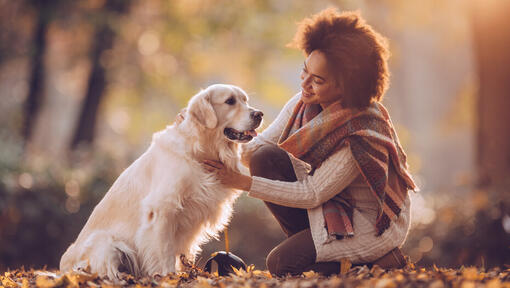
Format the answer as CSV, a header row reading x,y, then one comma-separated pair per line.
x,y
313,134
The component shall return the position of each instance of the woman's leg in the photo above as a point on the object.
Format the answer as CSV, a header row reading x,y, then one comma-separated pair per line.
x,y
296,255
271,162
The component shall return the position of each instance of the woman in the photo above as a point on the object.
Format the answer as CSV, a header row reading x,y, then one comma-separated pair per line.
x,y
330,167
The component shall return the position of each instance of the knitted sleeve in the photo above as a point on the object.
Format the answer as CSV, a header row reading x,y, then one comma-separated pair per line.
x,y
272,133
335,173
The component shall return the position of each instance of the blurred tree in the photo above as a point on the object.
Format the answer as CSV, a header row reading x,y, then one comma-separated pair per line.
x,y
43,10
103,41
492,42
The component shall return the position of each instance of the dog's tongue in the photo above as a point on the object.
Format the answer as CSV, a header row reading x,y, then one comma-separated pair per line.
x,y
252,133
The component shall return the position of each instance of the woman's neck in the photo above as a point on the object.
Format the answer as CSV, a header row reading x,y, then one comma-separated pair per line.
x,y
325,105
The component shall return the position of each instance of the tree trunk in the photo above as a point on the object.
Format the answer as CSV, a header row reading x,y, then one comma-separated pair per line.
x,y
492,50
103,40
36,87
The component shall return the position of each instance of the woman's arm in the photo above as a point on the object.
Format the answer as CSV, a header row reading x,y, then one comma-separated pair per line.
x,y
335,173
272,133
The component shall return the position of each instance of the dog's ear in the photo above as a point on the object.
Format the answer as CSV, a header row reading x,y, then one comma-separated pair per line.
x,y
201,109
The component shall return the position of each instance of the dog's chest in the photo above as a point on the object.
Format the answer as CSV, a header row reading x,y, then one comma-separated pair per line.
x,y
203,207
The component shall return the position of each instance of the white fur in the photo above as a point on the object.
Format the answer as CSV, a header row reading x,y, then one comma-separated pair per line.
x,y
165,204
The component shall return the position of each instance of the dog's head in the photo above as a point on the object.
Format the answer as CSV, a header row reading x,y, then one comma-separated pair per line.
x,y
225,108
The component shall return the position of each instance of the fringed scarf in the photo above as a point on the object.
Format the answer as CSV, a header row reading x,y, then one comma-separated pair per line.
x,y
313,134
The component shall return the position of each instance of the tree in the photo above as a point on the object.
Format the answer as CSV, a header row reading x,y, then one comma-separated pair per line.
x,y
36,87
103,40
492,43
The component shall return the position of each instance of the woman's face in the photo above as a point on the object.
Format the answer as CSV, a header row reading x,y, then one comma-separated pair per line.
x,y
318,84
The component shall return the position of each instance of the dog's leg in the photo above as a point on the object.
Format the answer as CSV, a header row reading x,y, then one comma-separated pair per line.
x,y
68,259
155,241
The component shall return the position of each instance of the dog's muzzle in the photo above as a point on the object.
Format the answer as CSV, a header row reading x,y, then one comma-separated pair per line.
x,y
247,135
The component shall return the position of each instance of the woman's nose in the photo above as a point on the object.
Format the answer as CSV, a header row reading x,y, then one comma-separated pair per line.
x,y
305,82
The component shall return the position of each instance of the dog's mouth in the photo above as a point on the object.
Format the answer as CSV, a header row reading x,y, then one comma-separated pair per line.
x,y
240,136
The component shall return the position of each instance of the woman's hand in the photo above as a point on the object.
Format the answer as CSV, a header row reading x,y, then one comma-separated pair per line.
x,y
227,176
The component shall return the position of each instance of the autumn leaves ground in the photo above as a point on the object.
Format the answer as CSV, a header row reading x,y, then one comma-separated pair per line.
x,y
360,276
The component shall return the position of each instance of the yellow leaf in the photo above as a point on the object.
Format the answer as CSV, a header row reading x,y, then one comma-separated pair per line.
x,y
494,283
437,284
46,282
184,275
237,271
411,265
385,283
471,274
264,273
8,282
345,266
169,283
467,284
25,283
75,279
310,274
240,272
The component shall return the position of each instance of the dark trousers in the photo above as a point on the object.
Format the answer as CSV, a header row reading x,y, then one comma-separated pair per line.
x,y
296,254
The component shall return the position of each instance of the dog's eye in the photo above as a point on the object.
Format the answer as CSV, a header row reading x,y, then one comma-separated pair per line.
x,y
230,101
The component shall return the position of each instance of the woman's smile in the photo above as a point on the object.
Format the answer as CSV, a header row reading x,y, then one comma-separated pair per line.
x,y
306,94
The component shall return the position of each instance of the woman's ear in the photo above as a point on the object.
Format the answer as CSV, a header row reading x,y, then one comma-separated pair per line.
x,y
339,85
200,108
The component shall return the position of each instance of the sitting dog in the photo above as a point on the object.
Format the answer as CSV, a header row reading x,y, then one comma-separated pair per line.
x,y
165,204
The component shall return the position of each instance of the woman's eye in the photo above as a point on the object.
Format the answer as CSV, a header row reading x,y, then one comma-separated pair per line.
x,y
303,73
230,101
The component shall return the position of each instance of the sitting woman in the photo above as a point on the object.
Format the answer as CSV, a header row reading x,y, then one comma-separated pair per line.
x,y
330,168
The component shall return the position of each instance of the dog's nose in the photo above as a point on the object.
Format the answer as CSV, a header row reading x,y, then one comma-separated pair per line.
x,y
257,114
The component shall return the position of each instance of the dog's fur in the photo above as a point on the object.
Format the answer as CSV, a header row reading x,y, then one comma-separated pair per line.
x,y
165,204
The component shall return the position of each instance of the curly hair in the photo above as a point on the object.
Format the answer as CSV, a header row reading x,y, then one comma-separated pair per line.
x,y
356,54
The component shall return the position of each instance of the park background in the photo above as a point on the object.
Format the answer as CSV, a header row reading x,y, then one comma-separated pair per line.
x,y
84,84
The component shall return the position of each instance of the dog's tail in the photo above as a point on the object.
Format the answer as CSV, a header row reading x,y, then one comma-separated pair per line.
x,y
128,259
107,256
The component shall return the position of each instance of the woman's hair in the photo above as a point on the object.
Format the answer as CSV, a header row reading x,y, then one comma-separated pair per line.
x,y
356,54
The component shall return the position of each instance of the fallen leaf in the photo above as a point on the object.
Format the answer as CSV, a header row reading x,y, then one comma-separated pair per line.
x,y
385,283
8,282
345,266
310,274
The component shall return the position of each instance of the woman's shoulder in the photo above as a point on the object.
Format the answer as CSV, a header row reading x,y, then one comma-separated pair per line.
x,y
295,98
291,103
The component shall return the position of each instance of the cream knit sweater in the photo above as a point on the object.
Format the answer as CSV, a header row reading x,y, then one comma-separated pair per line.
x,y
336,173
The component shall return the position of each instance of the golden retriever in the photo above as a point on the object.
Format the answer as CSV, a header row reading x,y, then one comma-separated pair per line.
x,y
165,204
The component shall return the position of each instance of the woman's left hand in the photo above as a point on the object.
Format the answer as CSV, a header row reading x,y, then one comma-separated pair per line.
x,y
228,177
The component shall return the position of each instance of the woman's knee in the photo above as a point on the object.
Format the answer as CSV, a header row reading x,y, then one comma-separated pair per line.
x,y
270,161
274,262
293,255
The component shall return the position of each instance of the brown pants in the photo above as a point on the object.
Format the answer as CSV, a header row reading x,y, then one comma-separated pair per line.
x,y
296,254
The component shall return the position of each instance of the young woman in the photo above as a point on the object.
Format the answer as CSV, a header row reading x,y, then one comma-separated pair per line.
x,y
330,167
